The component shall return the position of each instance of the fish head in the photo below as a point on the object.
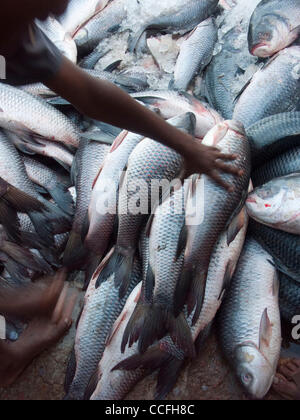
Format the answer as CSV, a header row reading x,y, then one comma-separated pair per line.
x,y
265,202
253,370
268,34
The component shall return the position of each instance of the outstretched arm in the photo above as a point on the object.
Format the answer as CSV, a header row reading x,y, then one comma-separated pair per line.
x,y
101,100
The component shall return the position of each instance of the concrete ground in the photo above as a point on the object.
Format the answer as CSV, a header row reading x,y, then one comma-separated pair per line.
x,y
206,378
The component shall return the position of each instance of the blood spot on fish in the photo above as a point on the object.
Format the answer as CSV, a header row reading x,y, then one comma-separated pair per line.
x,y
267,206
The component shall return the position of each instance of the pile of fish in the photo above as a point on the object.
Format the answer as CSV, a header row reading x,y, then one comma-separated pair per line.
x,y
161,255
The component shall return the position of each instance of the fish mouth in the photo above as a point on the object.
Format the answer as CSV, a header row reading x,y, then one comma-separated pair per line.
x,y
260,50
251,200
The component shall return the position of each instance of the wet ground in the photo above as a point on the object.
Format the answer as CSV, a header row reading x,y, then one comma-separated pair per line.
x,y
206,378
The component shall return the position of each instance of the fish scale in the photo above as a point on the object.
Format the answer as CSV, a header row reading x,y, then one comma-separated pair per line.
x,y
289,297
254,290
101,308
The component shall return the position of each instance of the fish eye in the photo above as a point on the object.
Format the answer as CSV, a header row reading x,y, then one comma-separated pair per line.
x,y
247,378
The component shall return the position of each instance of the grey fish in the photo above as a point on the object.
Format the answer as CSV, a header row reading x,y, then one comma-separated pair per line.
x,y
195,54
274,25
13,171
250,329
101,309
79,12
260,99
175,16
150,162
276,203
29,116
232,66
281,165
109,384
100,26
210,215
171,104
284,248
88,161
49,180
100,221
267,131
58,35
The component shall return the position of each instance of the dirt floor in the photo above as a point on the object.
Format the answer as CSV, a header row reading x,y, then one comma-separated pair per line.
x,y
206,378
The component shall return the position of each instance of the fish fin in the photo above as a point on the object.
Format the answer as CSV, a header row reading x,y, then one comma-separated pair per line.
x,y
182,241
197,294
149,225
120,264
91,387
24,257
167,376
113,66
41,190
25,149
57,100
19,200
62,198
98,136
235,227
135,326
75,252
152,360
182,291
149,100
43,227
10,221
202,337
181,335
149,284
92,263
227,279
134,40
60,221
71,370
265,331
63,164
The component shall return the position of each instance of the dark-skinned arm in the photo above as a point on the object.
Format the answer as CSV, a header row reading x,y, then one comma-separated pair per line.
x,y
103,101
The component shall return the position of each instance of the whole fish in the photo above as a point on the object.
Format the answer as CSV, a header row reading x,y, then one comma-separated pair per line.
x,y
79,12
150,163
12,170
175,16
195,54
31,117
232,66
58,35
101,220
276,203
269,130
88,161
274,26
109,384
100,26
101,309
170,104
289,297
205,225
281,165
250,329
284,247
48,179
260,99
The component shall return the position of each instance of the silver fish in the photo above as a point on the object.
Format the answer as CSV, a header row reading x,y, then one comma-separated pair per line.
x,y
195,54
250,328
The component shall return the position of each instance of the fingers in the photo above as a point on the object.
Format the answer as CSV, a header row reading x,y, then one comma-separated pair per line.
x,y
224,156
217,177
60,305
66,316
229,169
57,284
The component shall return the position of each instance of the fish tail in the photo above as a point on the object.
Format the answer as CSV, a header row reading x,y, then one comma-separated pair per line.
x,y
152,360
92,385
24,257
75,252
43,227
196,294
62,197
182,291
91,265
159,322
135,326
10,222
120,264
134,40
167,377
60,221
